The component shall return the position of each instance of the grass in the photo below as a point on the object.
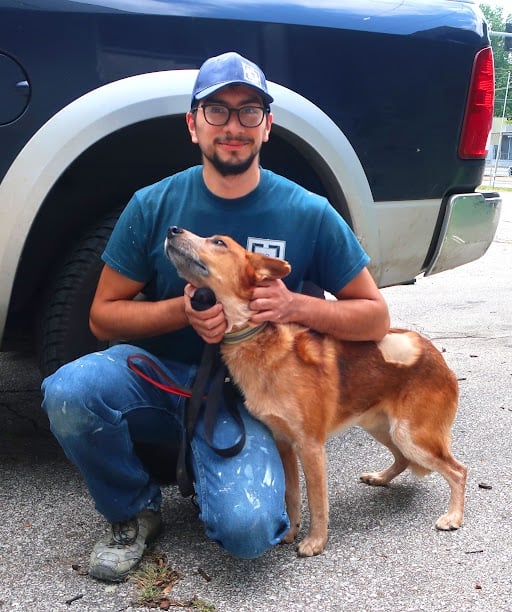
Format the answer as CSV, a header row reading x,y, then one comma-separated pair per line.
x,y
154,580
490,188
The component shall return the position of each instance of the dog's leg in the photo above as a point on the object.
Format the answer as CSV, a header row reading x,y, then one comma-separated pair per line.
x,y
399,465
432,453
291,472
455,474
313,461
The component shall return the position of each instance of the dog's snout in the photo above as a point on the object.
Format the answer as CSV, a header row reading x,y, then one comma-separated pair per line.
x,y
174,230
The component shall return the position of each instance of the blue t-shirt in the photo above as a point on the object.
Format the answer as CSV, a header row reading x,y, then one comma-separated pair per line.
x,y
278,218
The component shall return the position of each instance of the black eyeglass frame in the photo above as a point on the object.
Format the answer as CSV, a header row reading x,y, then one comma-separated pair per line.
x,y
265,110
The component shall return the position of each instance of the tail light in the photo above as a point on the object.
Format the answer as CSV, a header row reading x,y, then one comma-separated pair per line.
x,y
479,109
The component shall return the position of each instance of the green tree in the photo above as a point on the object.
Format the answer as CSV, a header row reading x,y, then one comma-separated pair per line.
x,y
502,58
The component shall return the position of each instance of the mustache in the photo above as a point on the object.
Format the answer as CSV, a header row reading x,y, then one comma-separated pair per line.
x,y
222,139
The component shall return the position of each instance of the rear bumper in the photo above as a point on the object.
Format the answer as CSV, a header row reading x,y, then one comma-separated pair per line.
x,y
468,229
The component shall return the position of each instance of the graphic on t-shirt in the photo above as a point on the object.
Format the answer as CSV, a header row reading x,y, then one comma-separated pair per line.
x,y
266,246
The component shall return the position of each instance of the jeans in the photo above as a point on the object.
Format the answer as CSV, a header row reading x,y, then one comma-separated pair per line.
x,y
98,409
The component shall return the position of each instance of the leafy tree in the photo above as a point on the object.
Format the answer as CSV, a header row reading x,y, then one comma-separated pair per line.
x,y
502,58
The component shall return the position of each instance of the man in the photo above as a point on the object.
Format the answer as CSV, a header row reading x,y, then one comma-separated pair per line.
x,y
100,410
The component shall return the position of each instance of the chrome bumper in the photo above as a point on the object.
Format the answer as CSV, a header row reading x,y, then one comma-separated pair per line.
x,y
468,229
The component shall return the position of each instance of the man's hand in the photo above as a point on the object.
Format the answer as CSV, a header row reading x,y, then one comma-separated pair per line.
x,y
210,324
359,312
272,301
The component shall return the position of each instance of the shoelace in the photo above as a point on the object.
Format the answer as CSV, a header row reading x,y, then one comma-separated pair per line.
x,y
125,532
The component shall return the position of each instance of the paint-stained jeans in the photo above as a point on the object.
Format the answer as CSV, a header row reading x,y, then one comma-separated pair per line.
x,y
98,408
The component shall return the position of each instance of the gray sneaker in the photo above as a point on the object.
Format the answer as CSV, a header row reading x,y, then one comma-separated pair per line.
x,y
119,551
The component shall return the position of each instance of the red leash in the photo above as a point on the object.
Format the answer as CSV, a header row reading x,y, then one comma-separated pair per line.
x,y
170,386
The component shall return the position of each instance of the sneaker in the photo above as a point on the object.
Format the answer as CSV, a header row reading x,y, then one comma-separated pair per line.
x,y
118,552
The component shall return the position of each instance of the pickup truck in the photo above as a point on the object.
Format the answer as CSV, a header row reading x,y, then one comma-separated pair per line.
x,y
384,106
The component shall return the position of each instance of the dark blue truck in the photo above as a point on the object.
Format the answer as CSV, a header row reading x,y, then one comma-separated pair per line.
x,y
385,106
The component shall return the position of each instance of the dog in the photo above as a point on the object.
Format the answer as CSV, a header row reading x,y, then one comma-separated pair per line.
x,y
306,386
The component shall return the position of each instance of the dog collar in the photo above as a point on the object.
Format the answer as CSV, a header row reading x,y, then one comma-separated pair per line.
x,y
243,334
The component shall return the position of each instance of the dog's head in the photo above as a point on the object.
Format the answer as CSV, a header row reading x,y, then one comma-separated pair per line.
x,y
220,263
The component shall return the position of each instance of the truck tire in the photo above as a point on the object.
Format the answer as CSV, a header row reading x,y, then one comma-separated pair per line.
x,y
63,330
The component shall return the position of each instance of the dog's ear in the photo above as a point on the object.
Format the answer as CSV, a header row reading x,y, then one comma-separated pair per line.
x,y
268,268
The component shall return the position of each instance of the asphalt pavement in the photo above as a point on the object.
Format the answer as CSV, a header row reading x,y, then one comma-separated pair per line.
x,y
383,552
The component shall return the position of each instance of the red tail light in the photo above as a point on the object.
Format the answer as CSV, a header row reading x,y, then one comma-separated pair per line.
x,y
479,110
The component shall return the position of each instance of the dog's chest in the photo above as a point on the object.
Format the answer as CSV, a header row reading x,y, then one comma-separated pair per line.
x,y
259,370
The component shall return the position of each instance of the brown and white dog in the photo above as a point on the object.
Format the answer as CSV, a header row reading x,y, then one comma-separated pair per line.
x,y
399,390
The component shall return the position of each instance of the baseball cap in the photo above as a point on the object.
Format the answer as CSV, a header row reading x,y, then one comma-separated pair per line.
x,y
229,69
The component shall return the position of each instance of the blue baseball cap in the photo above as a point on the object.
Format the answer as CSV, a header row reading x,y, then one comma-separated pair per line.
x,y
229,69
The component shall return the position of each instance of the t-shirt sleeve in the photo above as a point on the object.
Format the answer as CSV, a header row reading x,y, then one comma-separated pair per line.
x,y
126,249
339,256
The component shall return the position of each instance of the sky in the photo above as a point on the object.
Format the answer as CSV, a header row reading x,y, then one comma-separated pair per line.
x,y
506,5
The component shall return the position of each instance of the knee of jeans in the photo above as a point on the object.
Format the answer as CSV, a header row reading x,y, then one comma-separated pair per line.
x,y
65,400
248,535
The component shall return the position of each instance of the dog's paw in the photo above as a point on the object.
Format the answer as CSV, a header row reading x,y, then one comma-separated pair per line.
x,y
309,547
291,534
449,521
373,478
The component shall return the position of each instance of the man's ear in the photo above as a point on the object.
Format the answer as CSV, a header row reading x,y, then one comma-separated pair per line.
x,y
191,124
268,268
268,126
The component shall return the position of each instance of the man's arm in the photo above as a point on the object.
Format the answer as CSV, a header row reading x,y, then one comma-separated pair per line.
x,y
116,315
359,312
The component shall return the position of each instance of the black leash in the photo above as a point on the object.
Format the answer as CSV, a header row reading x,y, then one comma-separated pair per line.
x,y
211,368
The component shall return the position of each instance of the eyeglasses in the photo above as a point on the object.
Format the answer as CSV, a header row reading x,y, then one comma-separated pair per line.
x,y
218,114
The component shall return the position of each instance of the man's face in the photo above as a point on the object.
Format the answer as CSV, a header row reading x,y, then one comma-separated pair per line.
x,y
231,148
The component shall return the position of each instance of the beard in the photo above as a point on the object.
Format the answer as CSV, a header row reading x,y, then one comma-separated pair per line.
x,y
233,166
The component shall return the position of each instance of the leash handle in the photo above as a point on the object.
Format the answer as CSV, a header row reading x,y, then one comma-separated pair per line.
x,y
203,299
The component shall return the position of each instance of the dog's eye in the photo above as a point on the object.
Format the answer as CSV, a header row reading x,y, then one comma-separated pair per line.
x,y
219,242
